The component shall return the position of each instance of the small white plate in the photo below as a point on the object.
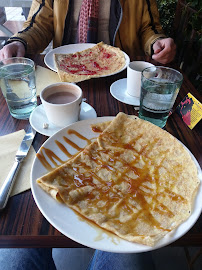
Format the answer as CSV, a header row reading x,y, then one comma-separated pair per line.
x,y
119,91
38,118
72,48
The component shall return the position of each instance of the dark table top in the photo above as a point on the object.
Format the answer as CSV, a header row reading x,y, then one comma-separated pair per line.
x,y
21,222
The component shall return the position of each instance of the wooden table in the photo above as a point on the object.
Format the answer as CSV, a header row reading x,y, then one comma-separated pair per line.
x,y
22,224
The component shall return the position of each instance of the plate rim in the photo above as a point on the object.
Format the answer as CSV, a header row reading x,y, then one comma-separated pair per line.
x,y
86,45
167,239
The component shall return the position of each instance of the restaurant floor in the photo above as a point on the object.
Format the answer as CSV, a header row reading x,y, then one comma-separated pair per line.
x,y
167,258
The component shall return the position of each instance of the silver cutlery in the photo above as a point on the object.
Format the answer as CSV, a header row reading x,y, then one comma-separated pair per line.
x,y
20,155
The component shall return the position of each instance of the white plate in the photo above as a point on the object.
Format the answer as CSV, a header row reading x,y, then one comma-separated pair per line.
x,y
38,118
119,91
71,225
72,48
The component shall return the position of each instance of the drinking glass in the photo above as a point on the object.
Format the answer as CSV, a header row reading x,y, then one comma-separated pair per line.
x,y
159,89
18,85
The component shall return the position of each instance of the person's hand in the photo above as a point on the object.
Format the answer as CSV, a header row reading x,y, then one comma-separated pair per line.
x,y
12,49
164,50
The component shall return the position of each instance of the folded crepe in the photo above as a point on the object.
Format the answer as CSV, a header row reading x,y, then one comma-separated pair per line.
x,y
136,180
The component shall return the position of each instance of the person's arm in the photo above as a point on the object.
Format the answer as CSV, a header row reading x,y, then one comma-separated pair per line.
x,y
38,29
152,36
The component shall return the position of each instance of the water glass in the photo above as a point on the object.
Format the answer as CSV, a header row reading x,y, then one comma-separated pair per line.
x,y
18,85
159,89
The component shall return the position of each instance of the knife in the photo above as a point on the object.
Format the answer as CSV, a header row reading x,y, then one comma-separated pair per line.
x,y
20,155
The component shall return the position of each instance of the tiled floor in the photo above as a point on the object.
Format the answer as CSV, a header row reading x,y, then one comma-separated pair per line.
x,y
14,14
14,21
15,18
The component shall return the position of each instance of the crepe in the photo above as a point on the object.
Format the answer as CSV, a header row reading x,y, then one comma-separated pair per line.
x,y
100,60
137,184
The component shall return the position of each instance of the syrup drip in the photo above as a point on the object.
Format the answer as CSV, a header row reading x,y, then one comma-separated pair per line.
x,y
140,189
52,156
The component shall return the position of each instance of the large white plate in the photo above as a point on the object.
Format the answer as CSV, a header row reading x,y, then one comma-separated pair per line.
x,y
72,48
71,225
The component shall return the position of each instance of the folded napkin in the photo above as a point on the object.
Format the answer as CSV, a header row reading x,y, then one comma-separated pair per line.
x,y
45,77
8,147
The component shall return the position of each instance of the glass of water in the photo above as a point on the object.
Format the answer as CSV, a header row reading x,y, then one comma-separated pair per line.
x,y
18,85
159,89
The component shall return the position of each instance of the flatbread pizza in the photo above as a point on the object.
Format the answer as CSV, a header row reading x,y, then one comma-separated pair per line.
x,y
100,60
136,184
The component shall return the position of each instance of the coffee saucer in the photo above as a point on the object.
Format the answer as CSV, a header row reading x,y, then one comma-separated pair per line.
x,y
38,118
119,91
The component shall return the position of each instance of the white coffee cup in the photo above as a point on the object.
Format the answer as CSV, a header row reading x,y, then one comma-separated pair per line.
x,y
134,70
62,103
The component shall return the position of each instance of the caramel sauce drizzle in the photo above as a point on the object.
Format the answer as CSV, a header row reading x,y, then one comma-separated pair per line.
x,y
44,161
61,146
63,149
72,131
72,143
96,129
100,232
51,155
138,189
135,185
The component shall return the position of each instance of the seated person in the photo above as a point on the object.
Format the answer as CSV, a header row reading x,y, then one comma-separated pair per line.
x,y
131,25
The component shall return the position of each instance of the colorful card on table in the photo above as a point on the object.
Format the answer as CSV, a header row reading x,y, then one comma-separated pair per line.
x,y
190,110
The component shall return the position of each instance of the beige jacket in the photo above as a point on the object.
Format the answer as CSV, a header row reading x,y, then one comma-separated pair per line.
x,y
133,26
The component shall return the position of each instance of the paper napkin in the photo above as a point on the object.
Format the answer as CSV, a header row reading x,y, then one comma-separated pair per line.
x,y
45,77
8,147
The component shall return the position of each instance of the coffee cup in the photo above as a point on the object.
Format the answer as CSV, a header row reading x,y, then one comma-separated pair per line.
x,y
62,103
134,70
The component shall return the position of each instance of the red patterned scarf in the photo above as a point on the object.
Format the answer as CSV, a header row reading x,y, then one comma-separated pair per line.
x,y
88,21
